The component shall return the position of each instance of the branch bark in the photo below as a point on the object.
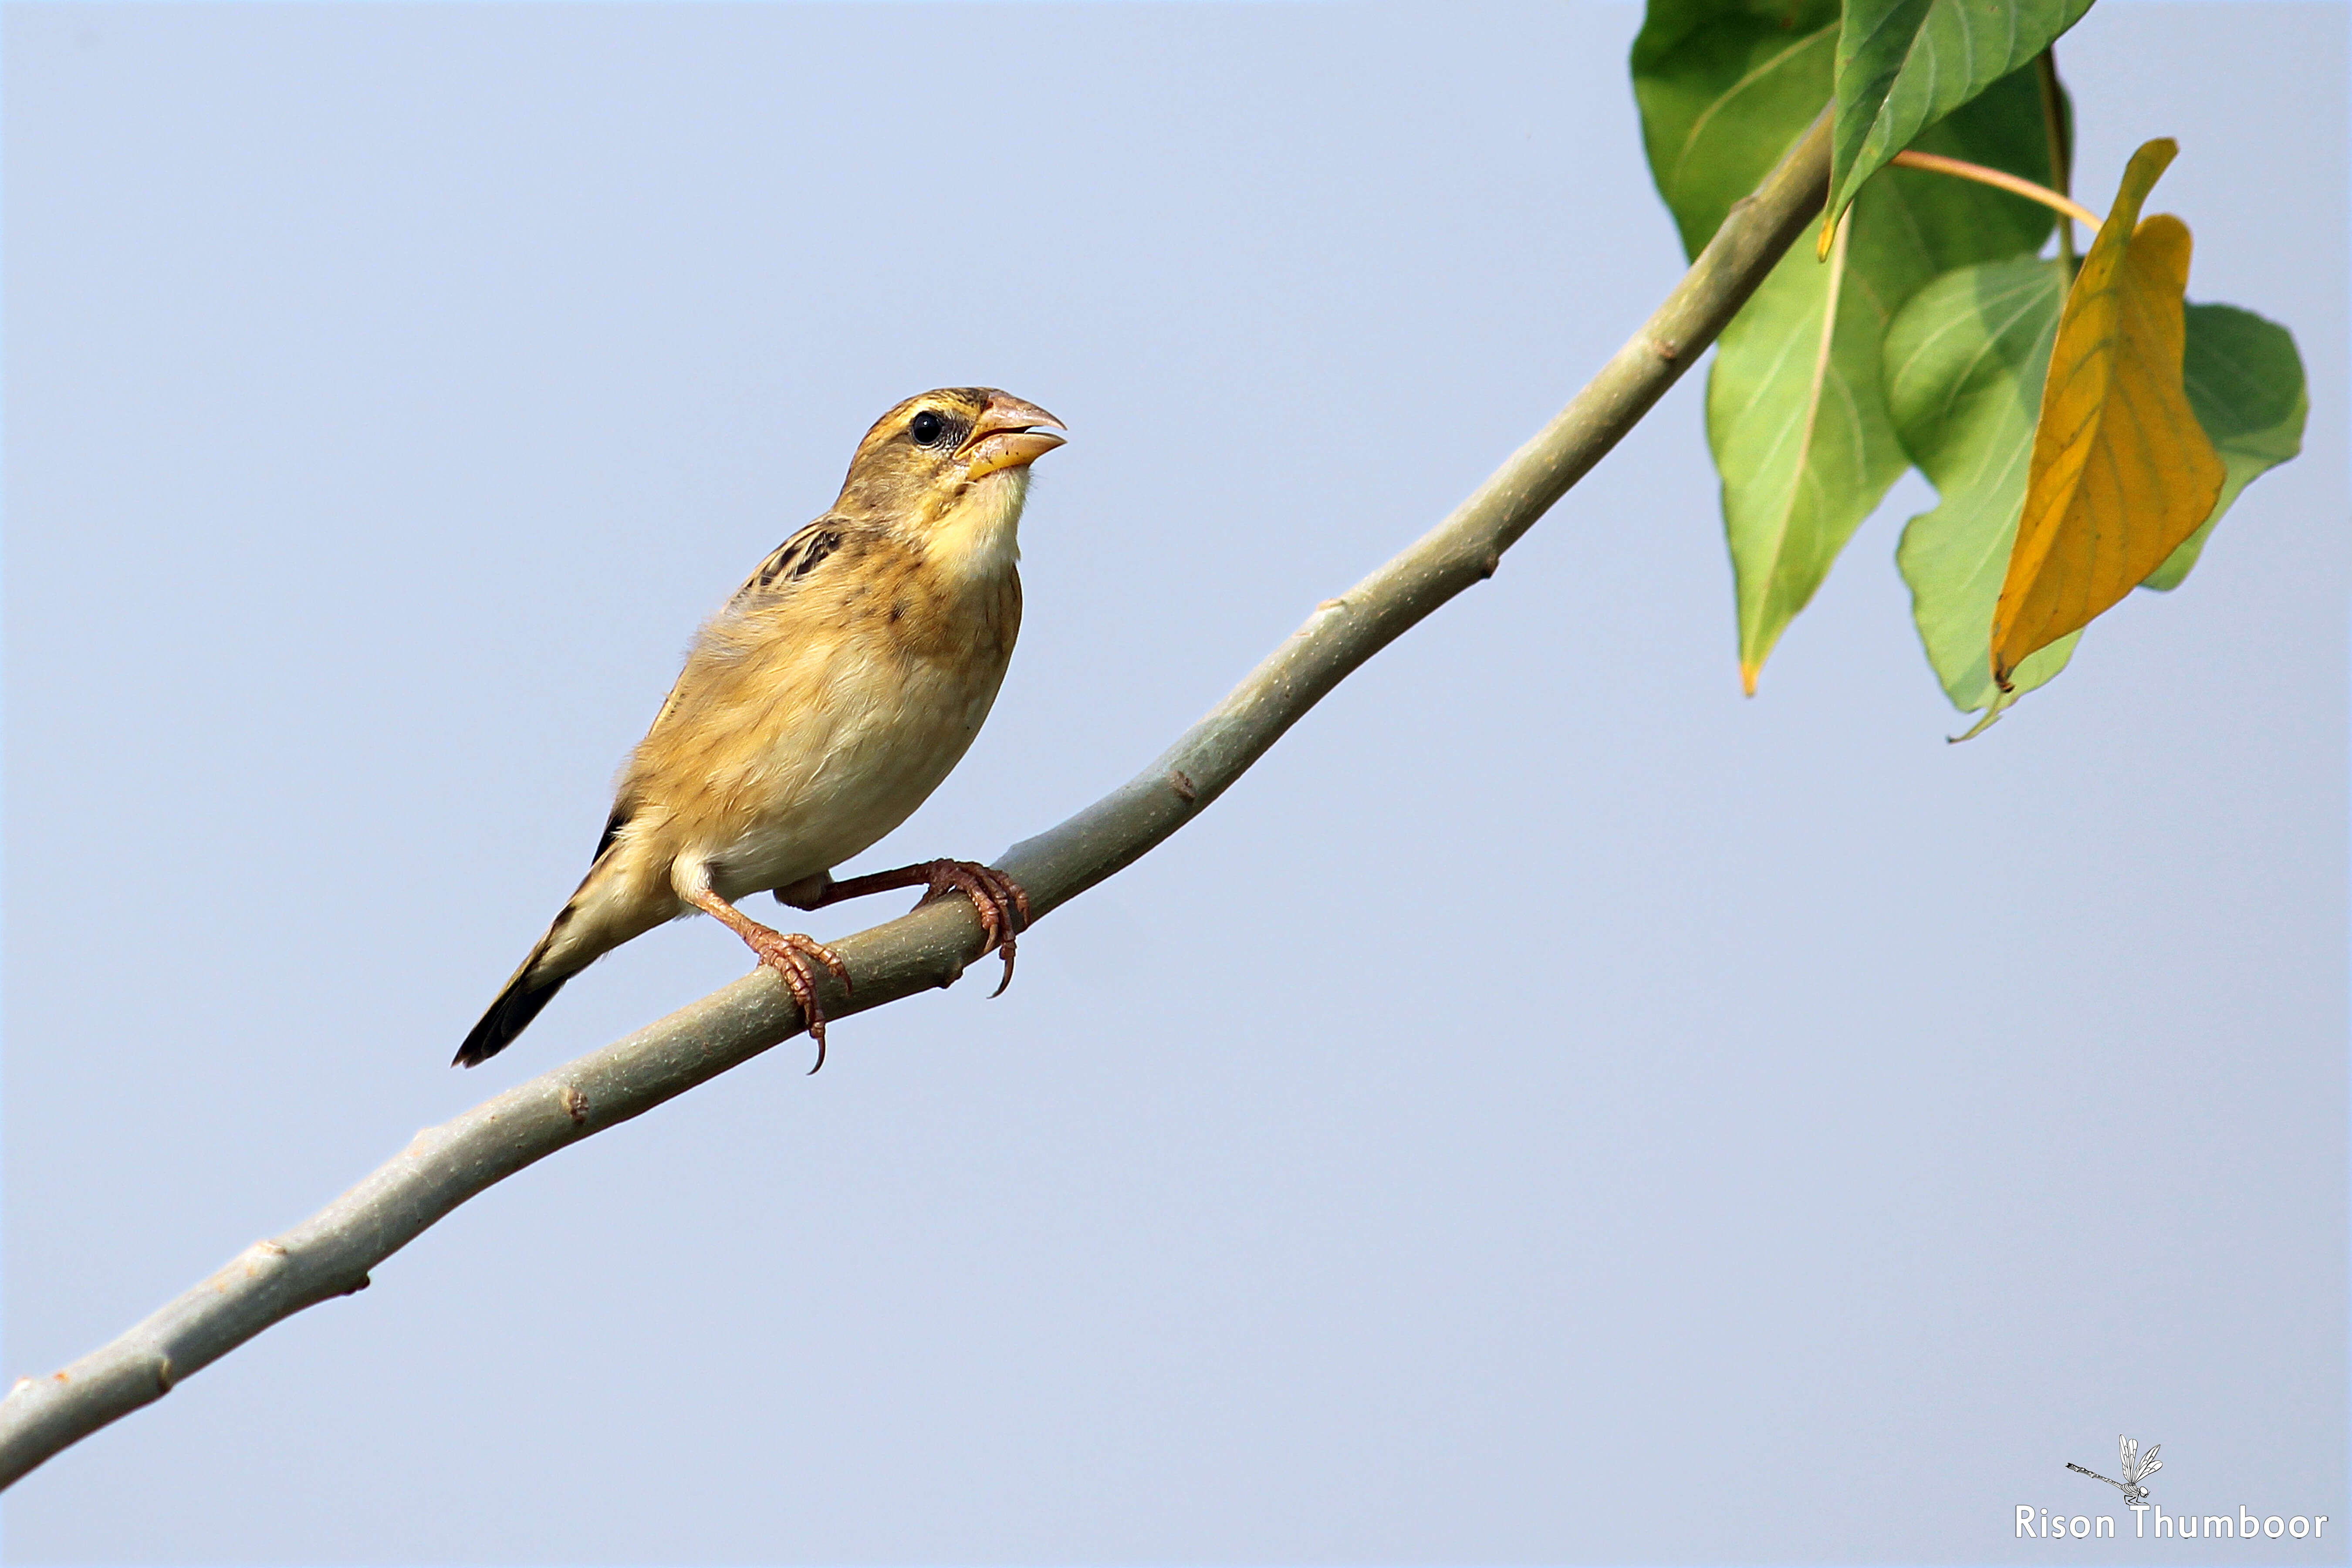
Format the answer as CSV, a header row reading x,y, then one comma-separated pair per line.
x,y
330,1254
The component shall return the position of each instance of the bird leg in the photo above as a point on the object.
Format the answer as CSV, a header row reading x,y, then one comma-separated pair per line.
x,y
786,953
1003,906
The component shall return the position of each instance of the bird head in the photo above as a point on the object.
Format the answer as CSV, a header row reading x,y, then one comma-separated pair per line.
x,y
923,461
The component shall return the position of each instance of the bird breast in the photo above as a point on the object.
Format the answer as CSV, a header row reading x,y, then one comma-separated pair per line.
x,y
820,721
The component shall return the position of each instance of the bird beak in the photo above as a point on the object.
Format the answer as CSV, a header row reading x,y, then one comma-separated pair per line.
x,y
1003,437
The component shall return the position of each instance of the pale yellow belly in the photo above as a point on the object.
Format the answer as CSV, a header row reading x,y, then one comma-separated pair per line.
x,y
859,764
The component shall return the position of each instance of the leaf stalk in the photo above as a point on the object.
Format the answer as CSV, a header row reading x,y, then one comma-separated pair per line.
x,y
2001,179
2061,150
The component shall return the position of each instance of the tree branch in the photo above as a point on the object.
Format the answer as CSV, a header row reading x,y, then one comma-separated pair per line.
x,y
330,1254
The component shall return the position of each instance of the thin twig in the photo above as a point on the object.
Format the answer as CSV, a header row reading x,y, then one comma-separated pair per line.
x,y
2062,154
1935,163
330,1254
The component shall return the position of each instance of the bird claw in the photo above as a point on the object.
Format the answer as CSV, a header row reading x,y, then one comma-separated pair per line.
x,y
1001,902
788,954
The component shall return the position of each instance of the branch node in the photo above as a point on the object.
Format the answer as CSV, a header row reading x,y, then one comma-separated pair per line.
x,y
1181,783
1489,566
165,1377
365,1281
1665,348
574,1103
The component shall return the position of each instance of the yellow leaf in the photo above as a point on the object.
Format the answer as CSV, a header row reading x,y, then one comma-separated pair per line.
x,y
2121,472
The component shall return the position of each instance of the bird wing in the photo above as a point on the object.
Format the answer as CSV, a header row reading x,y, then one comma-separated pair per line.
x,y
786,564
734,656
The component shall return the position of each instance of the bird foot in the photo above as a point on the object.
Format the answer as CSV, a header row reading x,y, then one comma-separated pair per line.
x,y
788,954
1003,906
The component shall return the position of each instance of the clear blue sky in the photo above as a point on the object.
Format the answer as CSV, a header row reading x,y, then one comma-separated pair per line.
x,y
1552,1110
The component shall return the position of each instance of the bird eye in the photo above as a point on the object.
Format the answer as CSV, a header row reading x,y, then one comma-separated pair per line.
x,y
925,427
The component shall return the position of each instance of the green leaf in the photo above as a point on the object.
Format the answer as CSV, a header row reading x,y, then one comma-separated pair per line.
x,y
1800,436
1725,87
1802,439
2245,384
1965,363
1902,65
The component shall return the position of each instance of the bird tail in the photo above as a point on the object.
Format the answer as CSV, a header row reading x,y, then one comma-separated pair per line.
x,y
606,912
532,989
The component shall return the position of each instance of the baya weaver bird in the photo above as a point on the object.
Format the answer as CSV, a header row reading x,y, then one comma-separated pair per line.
x,y
818,709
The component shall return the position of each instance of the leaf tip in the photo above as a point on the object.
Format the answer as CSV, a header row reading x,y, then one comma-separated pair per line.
x,y
1992,717
1748,674
1999,706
